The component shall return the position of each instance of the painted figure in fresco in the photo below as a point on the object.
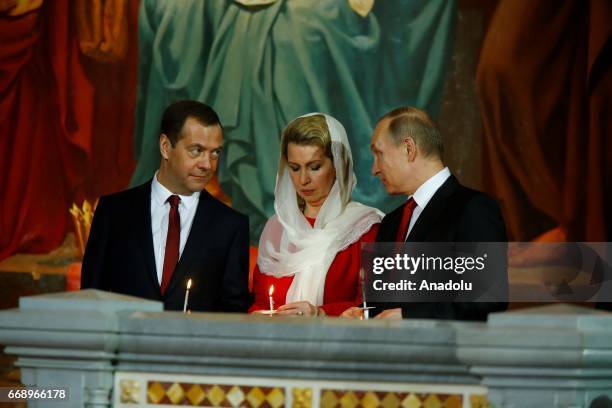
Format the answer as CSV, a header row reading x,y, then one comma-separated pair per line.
x,y
68,99
262,63
149,241
407,148
546,122
545,89
310,249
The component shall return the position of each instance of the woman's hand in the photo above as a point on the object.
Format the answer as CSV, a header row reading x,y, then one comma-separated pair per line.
x,y
353,313
390,314
301,308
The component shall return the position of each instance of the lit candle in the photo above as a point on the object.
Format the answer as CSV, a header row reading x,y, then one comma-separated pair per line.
x,y
270,292
187,296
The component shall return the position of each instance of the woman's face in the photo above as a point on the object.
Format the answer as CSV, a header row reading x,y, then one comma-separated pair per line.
x,y
311,171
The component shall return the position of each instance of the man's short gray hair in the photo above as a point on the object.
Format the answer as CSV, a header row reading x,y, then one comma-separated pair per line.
x,y
410,121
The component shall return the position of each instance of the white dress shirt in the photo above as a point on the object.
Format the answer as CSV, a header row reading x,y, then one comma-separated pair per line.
x,y
424,194
160,209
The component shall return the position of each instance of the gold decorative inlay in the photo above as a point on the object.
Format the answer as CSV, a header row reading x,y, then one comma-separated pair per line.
x,y
216,395
175,393
342,398
130,391
411,401
256,397
479,401
432,401
349,400
370,400
195,394
454,401
329,399
155,392
235,396
276,398
391,400
302,398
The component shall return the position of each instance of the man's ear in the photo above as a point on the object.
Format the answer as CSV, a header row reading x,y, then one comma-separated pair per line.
x,y
164,146
411,148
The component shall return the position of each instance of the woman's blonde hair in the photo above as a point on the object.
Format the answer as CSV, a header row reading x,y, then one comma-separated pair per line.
x,y
308,131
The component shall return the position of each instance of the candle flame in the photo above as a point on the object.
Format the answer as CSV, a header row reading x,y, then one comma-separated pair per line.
x,y
189,284
271,291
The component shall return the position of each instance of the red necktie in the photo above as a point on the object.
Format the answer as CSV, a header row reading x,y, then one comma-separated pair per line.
x,y
406,215
171,255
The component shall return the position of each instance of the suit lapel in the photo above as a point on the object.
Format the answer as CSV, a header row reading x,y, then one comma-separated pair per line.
x,y
390,224
432,210
145,235
197,235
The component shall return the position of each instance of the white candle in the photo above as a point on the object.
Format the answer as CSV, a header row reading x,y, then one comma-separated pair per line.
x,y
187,296
270,292
366,311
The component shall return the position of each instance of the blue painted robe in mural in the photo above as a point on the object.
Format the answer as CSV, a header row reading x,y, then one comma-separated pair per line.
x,y
260,67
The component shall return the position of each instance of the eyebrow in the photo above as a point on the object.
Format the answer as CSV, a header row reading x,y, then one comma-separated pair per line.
x,y
317,161
204,147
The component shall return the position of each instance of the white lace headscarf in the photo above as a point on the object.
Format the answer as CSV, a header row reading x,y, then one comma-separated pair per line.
x,y
290,246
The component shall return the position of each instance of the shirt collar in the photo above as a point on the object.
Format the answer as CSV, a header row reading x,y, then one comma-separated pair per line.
x,y
429,188
160,194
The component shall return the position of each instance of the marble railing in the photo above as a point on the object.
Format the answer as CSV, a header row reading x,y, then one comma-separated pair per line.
x,y
114,350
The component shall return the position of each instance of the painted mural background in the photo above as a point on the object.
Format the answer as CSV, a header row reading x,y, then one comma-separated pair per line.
x,y
522,91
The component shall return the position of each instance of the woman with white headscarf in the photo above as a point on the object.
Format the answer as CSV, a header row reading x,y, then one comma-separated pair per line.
x,y
310,249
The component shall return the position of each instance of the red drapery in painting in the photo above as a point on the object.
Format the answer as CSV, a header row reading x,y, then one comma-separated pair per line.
x,y
66,123
545,86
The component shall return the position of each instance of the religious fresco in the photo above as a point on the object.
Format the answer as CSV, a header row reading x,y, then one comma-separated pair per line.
x,y
545,89
68,86
260,66
83,85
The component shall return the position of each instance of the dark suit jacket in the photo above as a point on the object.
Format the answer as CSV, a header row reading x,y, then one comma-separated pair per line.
x,y
454,214
119,256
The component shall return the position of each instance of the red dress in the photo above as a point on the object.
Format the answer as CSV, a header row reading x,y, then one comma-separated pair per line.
x,y
342,287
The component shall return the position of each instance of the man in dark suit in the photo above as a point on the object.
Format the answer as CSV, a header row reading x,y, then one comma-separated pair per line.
x,y
148,241
407,149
